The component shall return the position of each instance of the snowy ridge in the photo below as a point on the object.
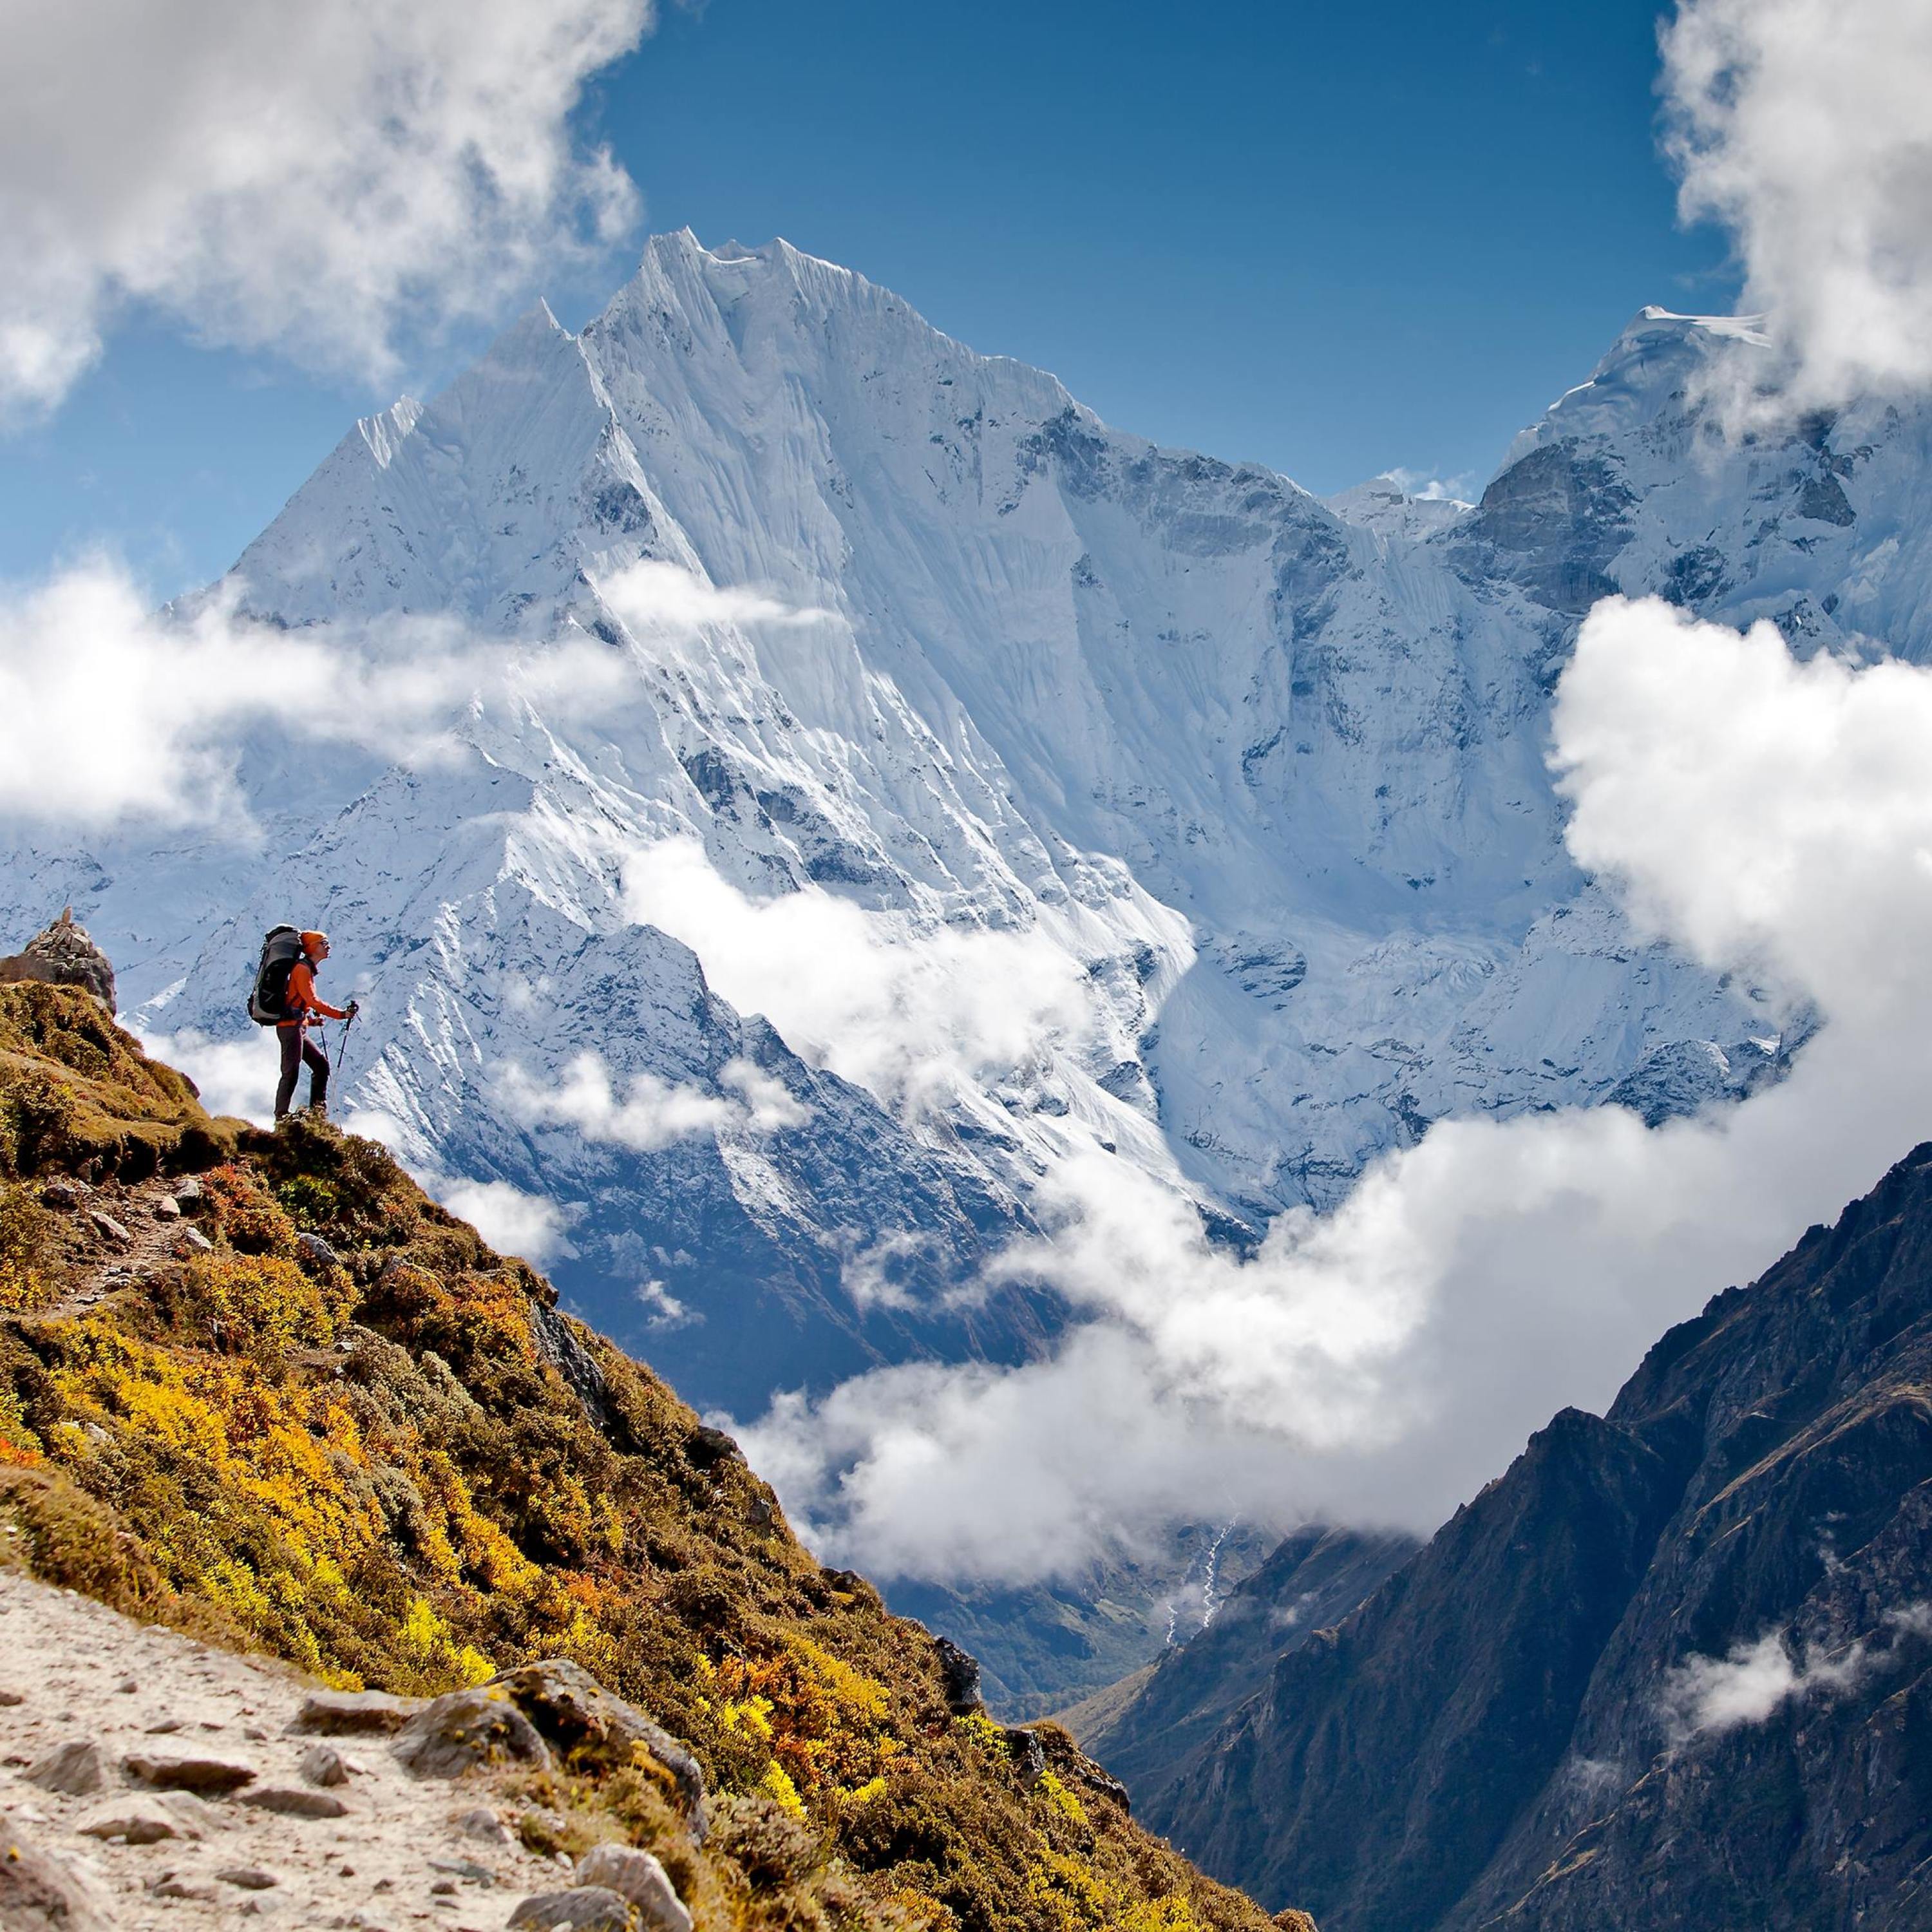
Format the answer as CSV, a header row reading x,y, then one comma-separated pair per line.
x,y
1238,802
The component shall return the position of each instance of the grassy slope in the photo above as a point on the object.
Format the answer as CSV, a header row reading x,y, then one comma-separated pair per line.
x,y
369,1461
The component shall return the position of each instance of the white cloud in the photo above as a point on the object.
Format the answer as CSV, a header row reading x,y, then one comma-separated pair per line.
x,y
235,1077
651,1114
319,179
1706,1695
770,1106
513,1221
109,712
1381,1364
914,1015
654,597
1801,124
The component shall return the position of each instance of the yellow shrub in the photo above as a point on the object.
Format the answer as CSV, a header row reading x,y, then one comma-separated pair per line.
x,y
262,1301
1062,1800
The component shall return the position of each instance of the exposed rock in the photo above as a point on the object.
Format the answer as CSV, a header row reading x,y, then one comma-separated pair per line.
x,y
167,1208
64,1195
292,1801
354,1713
324,1765
587,1908
73,1768
312,1251
248,1878
706,1446
63,956
592,1729
960,1676
637,1876
457,1732
42,1891
140,1821
559,1344
197,1243
190,1196
108,1228
189,1774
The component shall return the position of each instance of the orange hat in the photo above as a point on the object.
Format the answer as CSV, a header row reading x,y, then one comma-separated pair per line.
x,y
313,942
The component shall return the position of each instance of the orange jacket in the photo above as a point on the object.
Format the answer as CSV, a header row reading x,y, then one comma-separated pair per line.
x,y
302,1002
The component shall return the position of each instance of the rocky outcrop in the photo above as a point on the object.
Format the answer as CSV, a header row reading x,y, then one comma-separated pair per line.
x,y
63,956
1674,1668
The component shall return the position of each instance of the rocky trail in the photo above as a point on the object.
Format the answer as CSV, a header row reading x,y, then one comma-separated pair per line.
x,y
119,1234
148,1781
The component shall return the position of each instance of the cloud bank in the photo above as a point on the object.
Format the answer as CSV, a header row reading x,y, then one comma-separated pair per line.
x,y
915,1015
1800,125
1708,1696
1381,1364
319,179
651,1114
110,712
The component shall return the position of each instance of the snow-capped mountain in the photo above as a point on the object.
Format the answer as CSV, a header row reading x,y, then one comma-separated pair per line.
x,y
982,782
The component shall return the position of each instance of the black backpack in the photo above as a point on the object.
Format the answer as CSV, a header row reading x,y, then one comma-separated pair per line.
x,y
268,1004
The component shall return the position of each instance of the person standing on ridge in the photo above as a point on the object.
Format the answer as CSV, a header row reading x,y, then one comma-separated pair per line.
x,y
302,1006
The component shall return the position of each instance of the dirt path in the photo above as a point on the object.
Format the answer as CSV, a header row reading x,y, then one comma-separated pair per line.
x,y
406,1851
114,1236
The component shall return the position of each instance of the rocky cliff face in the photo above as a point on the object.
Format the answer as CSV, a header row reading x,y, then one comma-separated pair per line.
x,y
1673,1669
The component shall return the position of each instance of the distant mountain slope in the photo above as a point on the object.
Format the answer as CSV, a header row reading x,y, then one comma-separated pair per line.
x,y
1309,1582
1673,1669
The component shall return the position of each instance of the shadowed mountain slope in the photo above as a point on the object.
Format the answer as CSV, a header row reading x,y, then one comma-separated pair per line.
x,y
1673,1669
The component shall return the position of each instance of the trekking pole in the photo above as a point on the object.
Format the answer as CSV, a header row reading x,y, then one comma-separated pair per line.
x,y
341,1048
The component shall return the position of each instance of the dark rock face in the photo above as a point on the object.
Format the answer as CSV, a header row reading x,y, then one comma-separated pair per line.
x,y
63,956
1673,1669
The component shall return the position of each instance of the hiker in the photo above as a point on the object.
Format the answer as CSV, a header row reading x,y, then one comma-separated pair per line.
x,y
301,1006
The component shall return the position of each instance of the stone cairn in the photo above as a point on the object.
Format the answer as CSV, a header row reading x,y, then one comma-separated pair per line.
x,y
63,956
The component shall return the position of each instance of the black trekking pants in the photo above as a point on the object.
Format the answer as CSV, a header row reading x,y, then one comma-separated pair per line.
x,y
297,1047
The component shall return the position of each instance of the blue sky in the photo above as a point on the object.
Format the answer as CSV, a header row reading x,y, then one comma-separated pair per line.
x,y
1336,241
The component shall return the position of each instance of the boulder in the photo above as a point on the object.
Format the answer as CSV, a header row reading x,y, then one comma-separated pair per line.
x,y
314,1253
42,1891
589,1908
342,1713
63,956
292,1801
637,1876
189,1774
959,1678
466,1729
137,1820
592,1730
73,1768
323,1764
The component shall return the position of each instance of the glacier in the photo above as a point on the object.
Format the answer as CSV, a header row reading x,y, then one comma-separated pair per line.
x,y
990,784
